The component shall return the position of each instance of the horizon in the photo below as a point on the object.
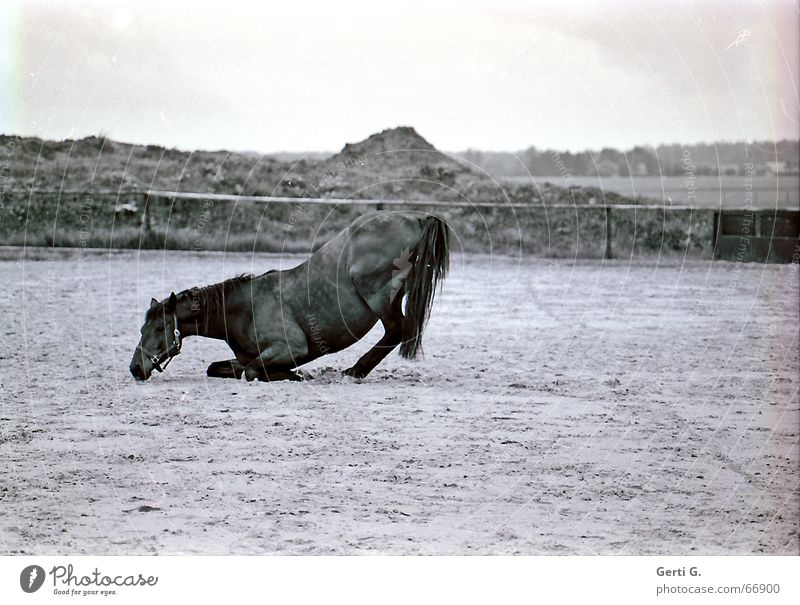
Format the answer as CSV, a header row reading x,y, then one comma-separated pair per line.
x,y
108,137
490,76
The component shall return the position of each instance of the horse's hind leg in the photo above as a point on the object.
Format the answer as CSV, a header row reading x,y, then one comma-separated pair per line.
x,y
230,368
392,320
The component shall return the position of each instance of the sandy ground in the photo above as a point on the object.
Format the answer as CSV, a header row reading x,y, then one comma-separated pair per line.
x,y
562,408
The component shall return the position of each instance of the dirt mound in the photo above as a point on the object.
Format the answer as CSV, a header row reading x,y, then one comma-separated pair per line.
x,y
397,162
399,149
402,138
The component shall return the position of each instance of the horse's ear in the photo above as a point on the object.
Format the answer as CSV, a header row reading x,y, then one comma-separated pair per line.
x,y
153,303
173,302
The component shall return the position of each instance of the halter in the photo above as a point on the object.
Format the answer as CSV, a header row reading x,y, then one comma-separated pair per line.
x,y
171,351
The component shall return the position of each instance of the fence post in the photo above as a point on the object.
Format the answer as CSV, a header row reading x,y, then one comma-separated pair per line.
x,y
609,233
715,234
147,227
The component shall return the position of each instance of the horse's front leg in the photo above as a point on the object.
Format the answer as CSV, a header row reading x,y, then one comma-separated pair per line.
x,y
272,375
274,363
230,368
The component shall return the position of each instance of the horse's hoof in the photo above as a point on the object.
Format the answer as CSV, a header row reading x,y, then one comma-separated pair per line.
x,y
354,373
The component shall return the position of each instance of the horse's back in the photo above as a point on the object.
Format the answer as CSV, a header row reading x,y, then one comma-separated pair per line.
x,y
381,240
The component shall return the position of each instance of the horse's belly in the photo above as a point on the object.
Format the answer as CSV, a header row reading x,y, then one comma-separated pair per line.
x,y
337,320
343,322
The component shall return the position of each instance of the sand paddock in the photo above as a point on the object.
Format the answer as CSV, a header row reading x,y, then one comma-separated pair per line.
x,y
563,407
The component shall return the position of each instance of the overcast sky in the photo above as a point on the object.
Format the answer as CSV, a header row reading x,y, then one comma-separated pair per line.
x,y
488,75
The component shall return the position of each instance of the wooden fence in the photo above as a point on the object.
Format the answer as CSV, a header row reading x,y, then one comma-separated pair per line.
x,y
757,235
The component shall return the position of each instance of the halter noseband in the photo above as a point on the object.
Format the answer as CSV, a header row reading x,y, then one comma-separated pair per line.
x,y
171,351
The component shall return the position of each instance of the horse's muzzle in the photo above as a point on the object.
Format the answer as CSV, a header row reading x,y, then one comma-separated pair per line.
x,y
138,372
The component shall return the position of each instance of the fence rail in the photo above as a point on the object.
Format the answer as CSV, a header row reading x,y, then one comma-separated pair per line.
x,y
385,202
228,197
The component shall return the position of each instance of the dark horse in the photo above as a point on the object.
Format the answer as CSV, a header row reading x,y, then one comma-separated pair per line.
x,y
280,320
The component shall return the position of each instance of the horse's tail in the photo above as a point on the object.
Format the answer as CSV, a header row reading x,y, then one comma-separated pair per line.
x,y
430,267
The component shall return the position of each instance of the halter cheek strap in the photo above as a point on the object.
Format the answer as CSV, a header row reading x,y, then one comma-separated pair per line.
x,y
171,351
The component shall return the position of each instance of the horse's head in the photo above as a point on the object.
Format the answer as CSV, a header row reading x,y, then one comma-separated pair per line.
x,y
160,341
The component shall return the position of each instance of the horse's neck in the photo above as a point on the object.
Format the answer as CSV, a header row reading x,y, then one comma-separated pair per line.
x,y
209,322
201,327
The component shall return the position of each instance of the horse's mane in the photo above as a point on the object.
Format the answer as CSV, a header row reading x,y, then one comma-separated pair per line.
x,y
208,299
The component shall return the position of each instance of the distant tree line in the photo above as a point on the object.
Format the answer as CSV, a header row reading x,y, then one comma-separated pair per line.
x,y
724,158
